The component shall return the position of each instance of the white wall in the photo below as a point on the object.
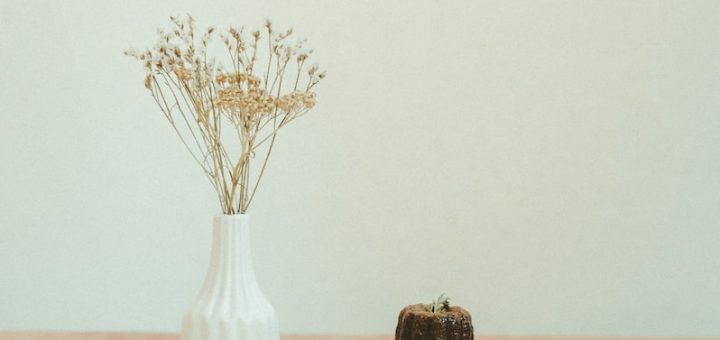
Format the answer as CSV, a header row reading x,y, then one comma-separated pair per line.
x,y
552,165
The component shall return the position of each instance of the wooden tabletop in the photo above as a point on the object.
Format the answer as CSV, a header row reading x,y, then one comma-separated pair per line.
x,y
174,336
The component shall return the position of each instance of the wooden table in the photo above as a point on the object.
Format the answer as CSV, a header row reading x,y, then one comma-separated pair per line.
x,y
174,336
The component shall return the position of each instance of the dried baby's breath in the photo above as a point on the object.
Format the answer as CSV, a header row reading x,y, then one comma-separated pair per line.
x,y
260,92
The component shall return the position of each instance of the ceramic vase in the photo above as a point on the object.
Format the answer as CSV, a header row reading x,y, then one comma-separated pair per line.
x,y
230,304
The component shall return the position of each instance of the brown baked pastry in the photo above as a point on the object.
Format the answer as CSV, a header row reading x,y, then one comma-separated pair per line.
x,y
434,322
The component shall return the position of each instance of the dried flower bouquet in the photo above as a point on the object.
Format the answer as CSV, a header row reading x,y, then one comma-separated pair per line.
x,y
225,116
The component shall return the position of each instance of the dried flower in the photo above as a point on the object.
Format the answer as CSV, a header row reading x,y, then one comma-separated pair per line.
x,y
296,101
198,97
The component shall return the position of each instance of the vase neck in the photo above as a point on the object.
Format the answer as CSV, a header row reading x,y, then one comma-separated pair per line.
x,y
230,287
231,246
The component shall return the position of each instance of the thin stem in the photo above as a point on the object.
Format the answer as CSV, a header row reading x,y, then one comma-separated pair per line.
x,y
297,79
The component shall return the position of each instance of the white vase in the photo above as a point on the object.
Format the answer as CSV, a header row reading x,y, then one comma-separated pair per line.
x,y
230,305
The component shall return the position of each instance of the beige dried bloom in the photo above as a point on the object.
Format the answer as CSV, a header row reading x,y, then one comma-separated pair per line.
x,y
241,105
148,82
250,99
296,101
182,74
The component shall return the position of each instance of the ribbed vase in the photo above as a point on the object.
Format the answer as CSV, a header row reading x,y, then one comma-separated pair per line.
x,y
230,305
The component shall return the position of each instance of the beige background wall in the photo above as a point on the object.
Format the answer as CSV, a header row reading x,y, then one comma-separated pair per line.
x,y
552,165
